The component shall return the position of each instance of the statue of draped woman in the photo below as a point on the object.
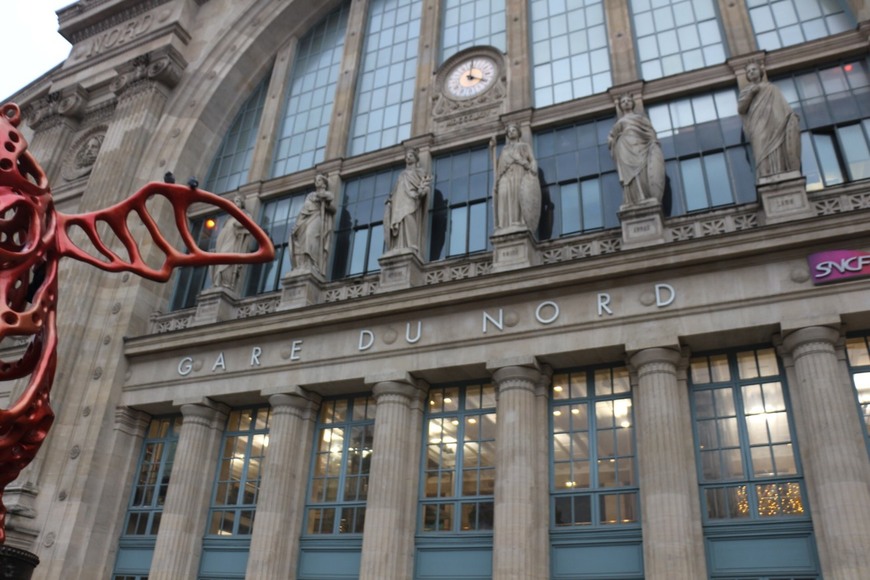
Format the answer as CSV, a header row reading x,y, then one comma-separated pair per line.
x,y
517,191
403,213
232,239
311,237
770,123
638,156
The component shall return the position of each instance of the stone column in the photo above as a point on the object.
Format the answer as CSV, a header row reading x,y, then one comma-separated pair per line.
x,y
517,493
671,522
737,27
623,57
179,540
427,62
275,540
389,529
517,59
832,451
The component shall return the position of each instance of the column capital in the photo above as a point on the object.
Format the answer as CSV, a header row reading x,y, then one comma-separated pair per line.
x,y
294,403
810,334
517,377
206,414
131,421
159,68
647,356
410,390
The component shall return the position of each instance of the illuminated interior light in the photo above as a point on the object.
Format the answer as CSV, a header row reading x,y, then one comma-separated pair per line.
x,y
210,224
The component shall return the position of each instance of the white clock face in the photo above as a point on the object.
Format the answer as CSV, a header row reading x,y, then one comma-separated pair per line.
x,y
471,77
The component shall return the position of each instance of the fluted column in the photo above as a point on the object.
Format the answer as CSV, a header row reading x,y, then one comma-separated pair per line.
x,y
389,524
274,548
832,451
671,522
517,514
182,526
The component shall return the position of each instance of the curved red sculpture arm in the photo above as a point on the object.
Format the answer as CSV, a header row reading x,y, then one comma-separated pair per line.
x,y
181,198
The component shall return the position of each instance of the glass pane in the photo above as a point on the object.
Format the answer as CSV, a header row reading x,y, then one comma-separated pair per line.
x,y
854,146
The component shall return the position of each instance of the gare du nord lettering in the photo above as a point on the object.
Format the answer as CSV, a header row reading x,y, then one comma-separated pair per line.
x,y
492,321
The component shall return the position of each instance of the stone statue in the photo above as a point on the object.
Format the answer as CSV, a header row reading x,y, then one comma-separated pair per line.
x,y
771,125
638,157
232,239
403,215
85,157
312,234
517,192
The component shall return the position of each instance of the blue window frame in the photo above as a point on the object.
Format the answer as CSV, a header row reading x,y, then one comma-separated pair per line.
x,y
278,218
593,482
570,53
460,214
385,89
748,465
581,190
301,142
237,482
230,167
858,350
342,456
779,23
458,480
359,236
467,23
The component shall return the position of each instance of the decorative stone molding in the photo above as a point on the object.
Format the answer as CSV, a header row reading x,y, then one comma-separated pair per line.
x,y
82,7
161,67
131,422
83,153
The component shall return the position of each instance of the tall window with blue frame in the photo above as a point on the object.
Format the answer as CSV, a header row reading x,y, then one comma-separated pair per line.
x,y
467,23
189,282
234,496
385,89
780,23
833,104
749,468
706,158
570,54
145,508
304,126
593,481
581,190
460,214
858,349
278,218
359,236
673,36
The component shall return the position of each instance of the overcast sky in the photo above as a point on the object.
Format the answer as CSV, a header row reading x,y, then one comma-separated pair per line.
x,y
30,44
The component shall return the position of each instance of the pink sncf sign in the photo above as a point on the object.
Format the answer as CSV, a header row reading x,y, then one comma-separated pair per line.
x,y
838,265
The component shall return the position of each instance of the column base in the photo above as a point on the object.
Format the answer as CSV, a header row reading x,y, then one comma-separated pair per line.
x,y
784,197
400,269
642,225
215,305
512,249
301,288
17,564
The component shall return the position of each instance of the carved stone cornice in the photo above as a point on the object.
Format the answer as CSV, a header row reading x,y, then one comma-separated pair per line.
x,y
92,23
160,68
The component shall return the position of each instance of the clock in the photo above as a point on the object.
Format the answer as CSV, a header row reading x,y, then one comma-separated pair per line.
x,y
470,77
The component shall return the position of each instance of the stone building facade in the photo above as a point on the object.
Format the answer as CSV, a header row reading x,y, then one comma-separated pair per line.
x,y
676,389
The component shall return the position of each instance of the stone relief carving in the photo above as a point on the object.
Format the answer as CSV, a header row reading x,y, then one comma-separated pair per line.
x,y
517,196
637,155
311,237
163,67
232,239
86,150
770,124
403,213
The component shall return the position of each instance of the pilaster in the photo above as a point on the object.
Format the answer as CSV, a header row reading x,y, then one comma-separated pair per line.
x,y
519,65
274,548
832,450
389,525
427,62
623,56
737,27
672,534
518,516
179,542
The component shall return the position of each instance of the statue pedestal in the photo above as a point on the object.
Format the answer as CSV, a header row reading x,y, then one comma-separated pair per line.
x,y
642,225
400,269
17,564
512,249
784,197
215,305
301,288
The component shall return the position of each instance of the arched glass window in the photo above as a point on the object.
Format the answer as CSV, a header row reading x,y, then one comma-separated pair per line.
x,y
570,53
385,89
674,36
308,105
779,23
469,23
230,167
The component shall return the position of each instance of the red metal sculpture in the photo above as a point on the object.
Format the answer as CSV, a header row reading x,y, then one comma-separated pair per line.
x,y
33,237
